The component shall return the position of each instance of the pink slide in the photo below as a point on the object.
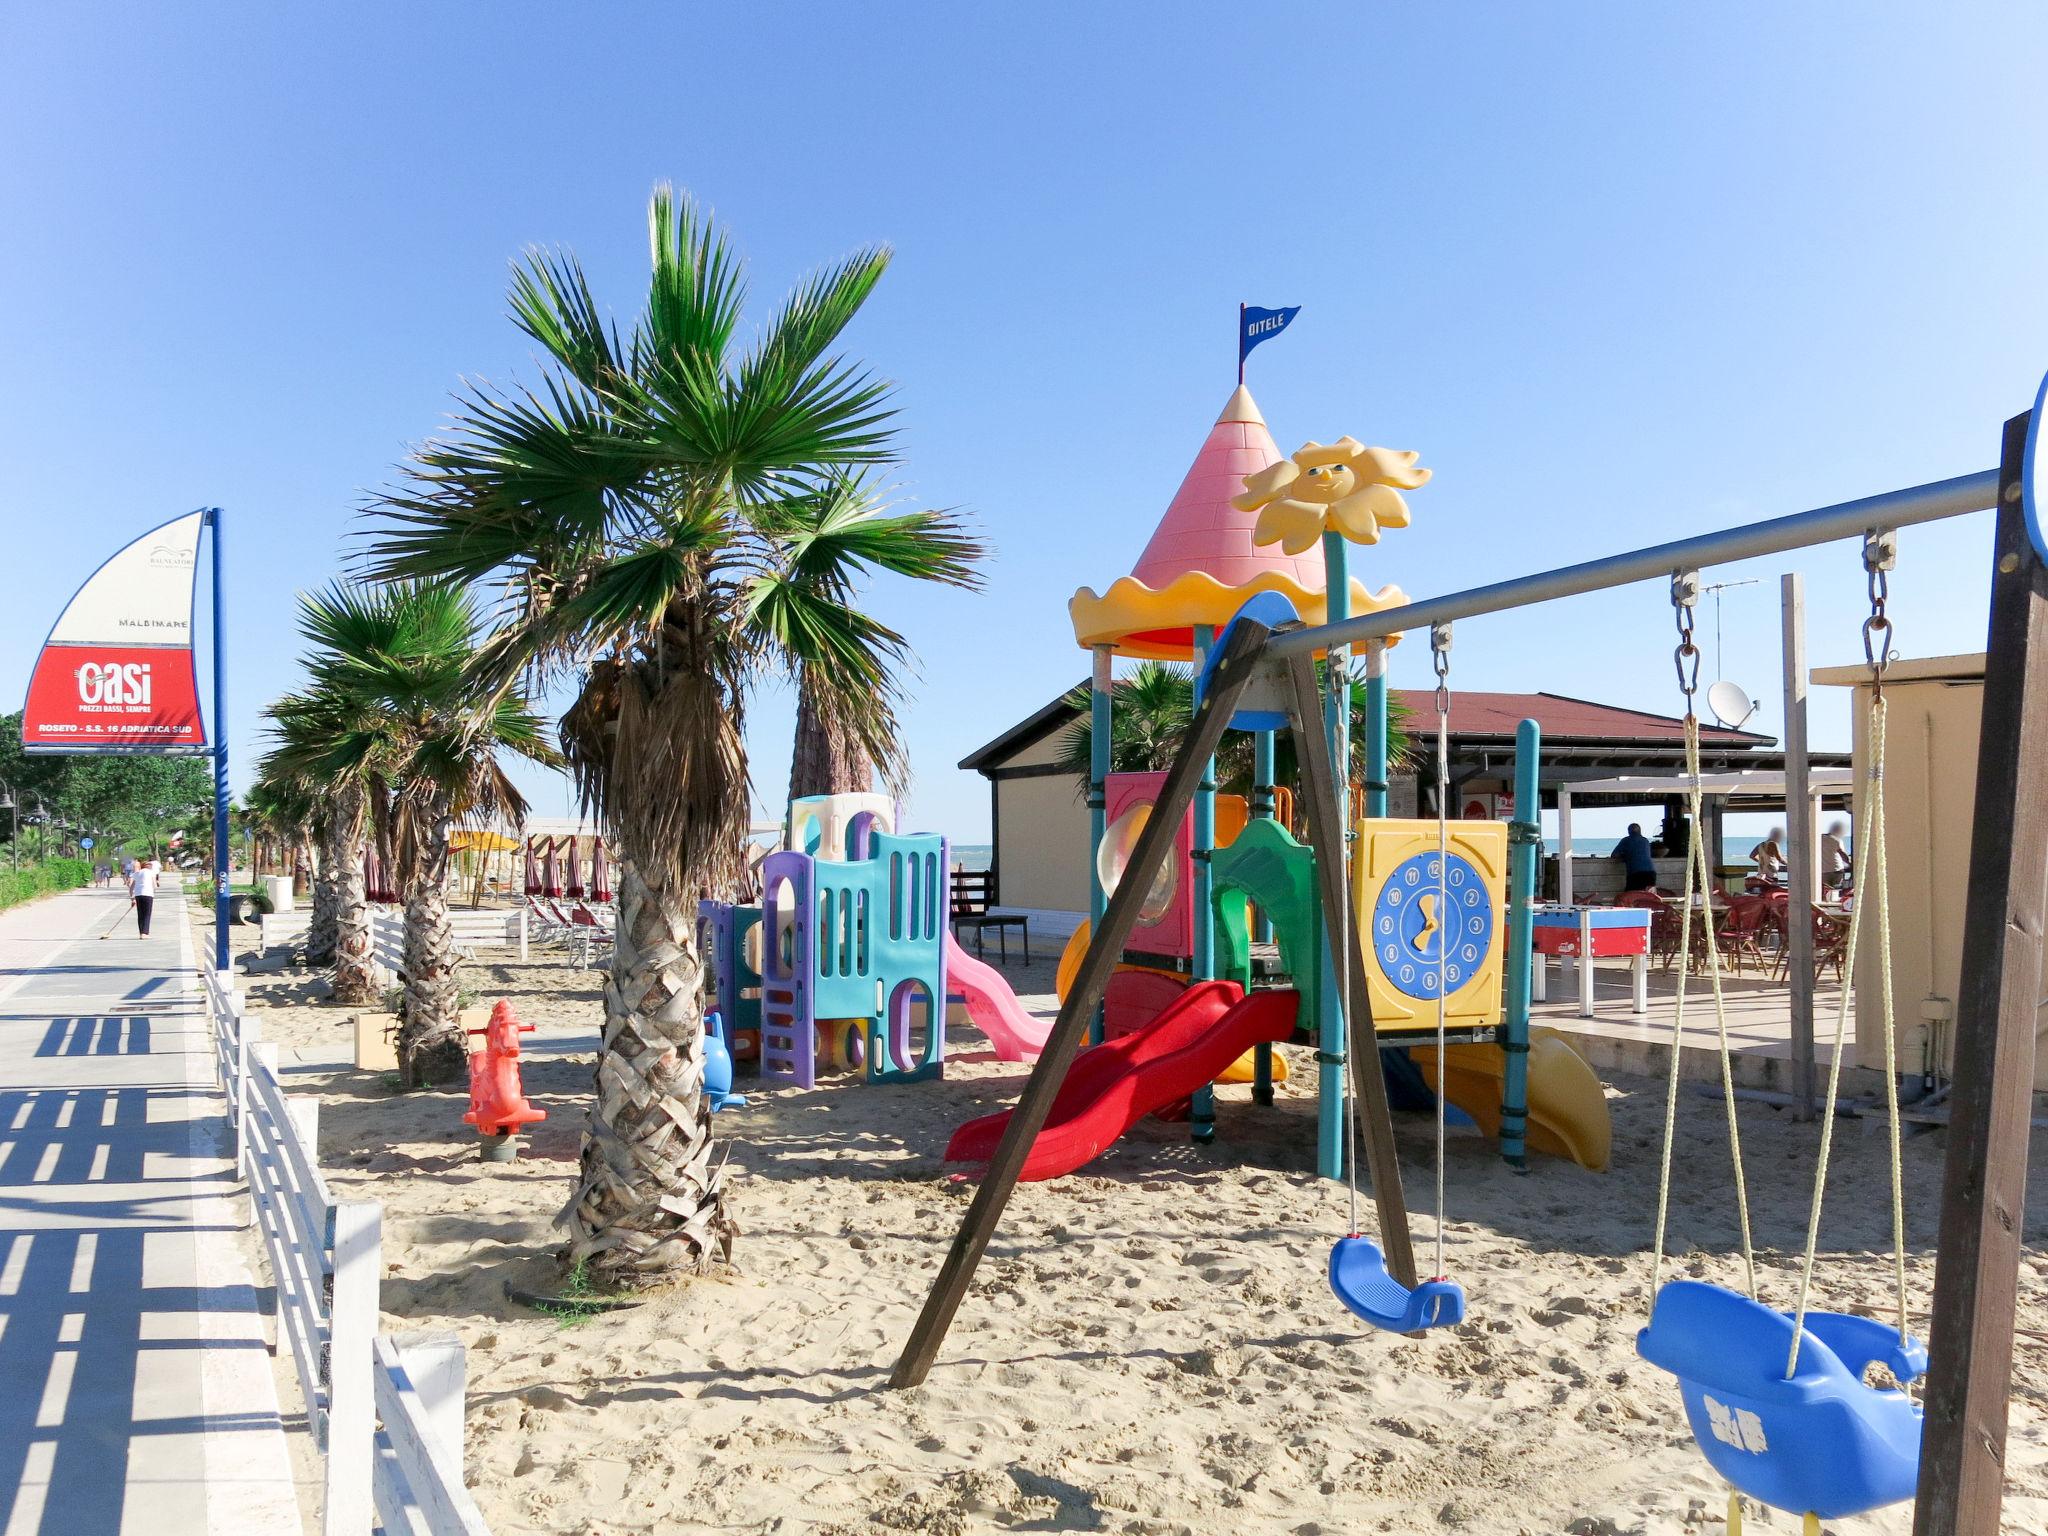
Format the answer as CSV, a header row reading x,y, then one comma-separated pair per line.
x,y
993,1006
1112,1086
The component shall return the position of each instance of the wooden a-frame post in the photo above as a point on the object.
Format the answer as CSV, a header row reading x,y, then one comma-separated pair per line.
x,y
1983,1192
1361,1036
1237,661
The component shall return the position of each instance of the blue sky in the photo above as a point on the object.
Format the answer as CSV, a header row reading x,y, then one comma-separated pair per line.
x,y
1619,272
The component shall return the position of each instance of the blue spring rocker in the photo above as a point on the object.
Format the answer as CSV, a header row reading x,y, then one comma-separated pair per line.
x,y
1819,1441
1359,1277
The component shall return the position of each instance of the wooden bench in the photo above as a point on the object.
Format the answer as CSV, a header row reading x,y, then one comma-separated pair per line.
x,y
973,890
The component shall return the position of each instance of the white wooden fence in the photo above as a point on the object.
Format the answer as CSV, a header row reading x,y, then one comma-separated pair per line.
x,y
481,928
386,1413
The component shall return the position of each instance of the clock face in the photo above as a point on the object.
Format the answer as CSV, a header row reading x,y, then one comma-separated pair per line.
x,y
1432,924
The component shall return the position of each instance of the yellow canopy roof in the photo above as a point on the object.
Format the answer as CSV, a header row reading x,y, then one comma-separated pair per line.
x,y
465,838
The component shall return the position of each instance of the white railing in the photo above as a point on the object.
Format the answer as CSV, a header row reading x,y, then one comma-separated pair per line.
x,y
385,1413
484,928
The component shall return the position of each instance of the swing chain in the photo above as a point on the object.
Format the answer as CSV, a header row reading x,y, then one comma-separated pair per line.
x,y
1685,596
1440,657
1880,558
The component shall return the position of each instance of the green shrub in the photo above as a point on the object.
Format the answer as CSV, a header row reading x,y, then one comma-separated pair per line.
x,y
33,880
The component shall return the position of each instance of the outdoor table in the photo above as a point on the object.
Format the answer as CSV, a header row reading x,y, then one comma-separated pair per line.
x,y
1585,934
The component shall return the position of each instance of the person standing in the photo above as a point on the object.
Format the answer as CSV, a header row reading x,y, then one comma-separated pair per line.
x,y
142,895
1638,861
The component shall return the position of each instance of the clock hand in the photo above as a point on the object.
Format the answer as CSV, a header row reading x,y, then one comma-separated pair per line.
x,y
1431,924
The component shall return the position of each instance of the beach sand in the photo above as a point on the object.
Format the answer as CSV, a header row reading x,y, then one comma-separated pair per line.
x,y
1150,1346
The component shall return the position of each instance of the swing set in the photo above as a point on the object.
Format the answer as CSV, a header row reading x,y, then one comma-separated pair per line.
x,y
1777,1400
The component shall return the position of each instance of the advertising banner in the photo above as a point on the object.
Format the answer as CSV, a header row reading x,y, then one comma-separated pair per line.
x,y
118,673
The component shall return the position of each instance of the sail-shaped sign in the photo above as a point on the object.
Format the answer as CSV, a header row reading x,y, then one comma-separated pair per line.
x,y
118,672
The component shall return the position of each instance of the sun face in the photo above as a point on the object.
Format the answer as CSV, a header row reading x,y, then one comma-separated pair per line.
x,y
1343,487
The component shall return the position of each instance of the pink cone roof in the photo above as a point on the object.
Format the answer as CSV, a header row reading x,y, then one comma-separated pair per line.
x,y
1202,531
1200,565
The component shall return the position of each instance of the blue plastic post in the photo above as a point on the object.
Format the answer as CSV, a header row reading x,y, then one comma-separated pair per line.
x,y
1101,687
222,958
1203,1118
1330,1149
1524,835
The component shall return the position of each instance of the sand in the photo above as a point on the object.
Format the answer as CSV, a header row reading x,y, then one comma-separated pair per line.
x,y
1151,1346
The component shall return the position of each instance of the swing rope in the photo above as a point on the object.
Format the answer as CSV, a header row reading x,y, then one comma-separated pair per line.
x,y
1440,656
1873,892
1698,881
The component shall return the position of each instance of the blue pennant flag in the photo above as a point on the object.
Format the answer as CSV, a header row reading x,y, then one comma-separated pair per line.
x,y
1256,325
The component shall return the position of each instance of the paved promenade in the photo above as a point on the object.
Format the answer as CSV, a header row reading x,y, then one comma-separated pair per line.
x,y
136,1394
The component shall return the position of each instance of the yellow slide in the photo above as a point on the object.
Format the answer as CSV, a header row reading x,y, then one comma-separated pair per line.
x,y
1567,1106
1242,1070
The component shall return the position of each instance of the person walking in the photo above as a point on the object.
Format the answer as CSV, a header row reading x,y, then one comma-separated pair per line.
x,y
1638,860
142,895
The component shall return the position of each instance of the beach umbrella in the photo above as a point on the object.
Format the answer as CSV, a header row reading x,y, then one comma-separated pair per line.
x,y
575,885
532,871
600,888
550,876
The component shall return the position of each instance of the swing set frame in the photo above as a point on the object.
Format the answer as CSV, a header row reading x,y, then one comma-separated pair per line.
x,y
1961,1484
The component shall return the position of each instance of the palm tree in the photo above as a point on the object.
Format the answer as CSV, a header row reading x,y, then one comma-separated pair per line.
x,y
284,815
306,730
1149,715
675,515
396,707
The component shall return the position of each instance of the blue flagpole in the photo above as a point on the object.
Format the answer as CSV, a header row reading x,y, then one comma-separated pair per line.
x,y
222,960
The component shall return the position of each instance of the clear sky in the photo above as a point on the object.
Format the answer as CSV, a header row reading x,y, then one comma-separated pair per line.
x,y
1620,273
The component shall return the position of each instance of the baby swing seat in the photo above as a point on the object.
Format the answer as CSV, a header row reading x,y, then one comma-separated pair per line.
x,y
1358,1274
1817,1441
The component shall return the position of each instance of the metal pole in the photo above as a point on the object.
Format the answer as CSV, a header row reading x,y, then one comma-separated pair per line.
x,y
1525,837
1100,687
1849,519
1800,831
1376,728
222,959
1330,1146
1202,1113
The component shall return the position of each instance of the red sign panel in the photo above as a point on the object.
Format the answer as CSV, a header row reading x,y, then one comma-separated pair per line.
x,y
100,696
117,673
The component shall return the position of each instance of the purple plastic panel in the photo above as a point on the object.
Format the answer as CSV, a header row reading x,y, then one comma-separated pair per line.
x,y
789,1025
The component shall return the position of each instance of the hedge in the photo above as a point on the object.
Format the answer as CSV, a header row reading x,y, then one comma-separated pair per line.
x,y
33,880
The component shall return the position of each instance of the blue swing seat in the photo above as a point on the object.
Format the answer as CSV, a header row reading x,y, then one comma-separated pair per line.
x,y
1818,1441
1358,1274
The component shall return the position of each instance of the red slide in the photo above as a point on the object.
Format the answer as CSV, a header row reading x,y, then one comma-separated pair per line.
x,y
1112,1086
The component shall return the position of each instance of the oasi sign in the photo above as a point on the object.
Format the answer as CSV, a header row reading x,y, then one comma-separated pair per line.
x,y
117,673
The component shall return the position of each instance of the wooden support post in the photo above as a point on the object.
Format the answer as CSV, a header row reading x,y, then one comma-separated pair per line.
x,y
1362,1041
1800,835
1234,668
1983,1194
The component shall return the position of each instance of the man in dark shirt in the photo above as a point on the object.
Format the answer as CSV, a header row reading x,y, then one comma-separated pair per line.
x,y
1637,865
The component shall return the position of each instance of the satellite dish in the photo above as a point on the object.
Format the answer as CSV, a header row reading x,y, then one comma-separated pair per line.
x,y
1731,706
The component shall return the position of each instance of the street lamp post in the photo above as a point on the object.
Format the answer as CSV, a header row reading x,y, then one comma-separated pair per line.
x,y
9,803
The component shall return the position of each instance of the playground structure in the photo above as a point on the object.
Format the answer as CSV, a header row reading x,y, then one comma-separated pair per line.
x,y
849,959
1822,1427
1248,531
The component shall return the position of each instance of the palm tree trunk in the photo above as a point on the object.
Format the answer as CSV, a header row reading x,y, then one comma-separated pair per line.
x,y
431,1046
650,1205
826,759
321,932
355,980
